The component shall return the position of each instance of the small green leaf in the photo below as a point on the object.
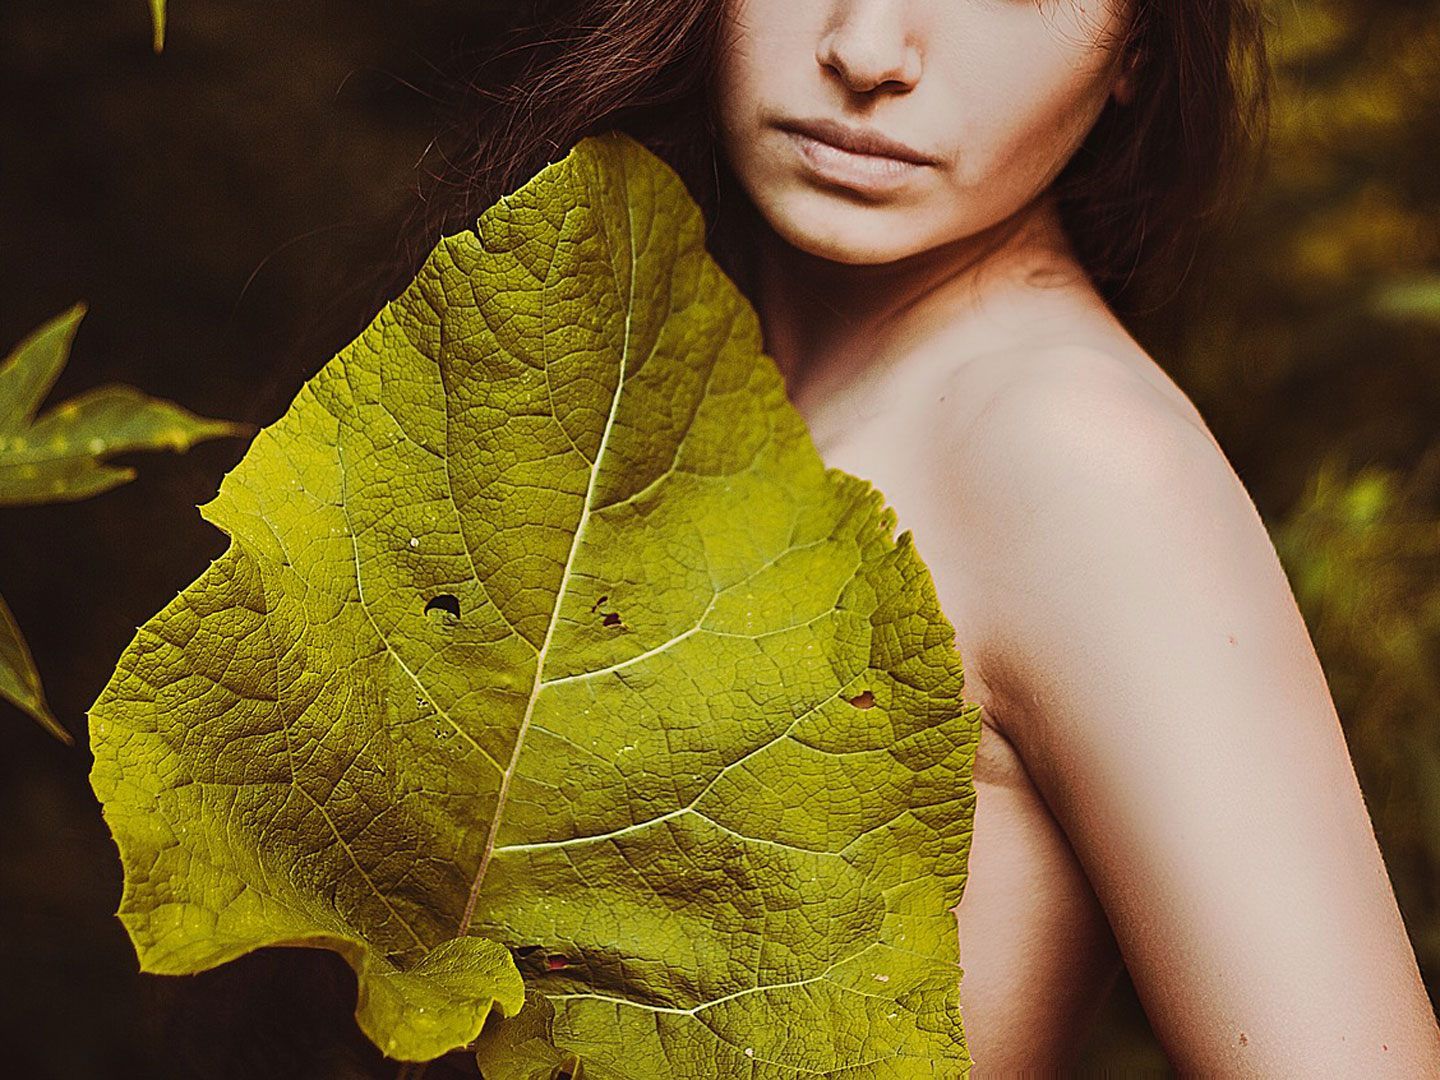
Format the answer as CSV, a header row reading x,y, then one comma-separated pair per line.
x,y
19,681
59,457
30,371
544,624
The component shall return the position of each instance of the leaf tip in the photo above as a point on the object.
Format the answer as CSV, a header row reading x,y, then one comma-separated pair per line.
x,y
55,728
42,715
157,23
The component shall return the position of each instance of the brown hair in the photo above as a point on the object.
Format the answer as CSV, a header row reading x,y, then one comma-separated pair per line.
x,y
1151,178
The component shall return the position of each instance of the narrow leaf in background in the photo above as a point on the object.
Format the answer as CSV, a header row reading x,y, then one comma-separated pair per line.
x,y
19,681
157,20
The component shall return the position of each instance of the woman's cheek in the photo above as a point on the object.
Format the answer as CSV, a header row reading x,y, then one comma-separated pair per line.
x,y
1028,141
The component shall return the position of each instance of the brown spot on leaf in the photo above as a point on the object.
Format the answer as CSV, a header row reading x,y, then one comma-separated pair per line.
x,y
609,618
555,963
1243,1039
863,700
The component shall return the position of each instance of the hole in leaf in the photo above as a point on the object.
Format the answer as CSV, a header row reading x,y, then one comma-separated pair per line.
x,y
447,602
596,605
863,700
523,951
555,963
611,619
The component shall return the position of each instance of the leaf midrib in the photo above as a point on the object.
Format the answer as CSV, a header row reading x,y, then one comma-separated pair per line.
x,y
538,684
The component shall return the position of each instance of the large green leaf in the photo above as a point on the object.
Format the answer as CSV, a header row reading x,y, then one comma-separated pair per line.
x,y
543,624
59,458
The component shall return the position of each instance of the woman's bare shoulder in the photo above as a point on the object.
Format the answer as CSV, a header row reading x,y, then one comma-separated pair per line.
x,y
1047,399
1051,456
1145,657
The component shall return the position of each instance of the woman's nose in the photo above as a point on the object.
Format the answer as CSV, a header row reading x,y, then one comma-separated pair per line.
x,y
869,43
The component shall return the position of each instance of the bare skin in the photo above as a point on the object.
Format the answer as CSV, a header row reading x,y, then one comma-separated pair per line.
x,y
1161,775
1038,953
1162,778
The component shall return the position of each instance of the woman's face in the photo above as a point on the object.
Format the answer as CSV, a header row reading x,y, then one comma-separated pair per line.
x,y
995,94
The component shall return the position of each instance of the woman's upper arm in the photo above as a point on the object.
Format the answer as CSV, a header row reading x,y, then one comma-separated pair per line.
x,y
1144,653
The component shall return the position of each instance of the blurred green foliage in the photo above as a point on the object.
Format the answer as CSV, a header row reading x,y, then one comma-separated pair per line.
x,y
1315,350
1312,334
224,209
1363,549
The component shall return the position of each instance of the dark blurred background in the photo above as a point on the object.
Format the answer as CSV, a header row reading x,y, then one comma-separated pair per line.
x,y
233,212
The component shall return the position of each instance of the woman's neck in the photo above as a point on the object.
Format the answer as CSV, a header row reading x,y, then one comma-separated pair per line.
x,y
826,321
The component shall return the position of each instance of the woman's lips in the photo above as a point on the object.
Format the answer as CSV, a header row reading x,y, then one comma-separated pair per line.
x,y
874,174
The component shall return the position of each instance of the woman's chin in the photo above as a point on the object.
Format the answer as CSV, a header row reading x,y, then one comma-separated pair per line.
x,y
852,234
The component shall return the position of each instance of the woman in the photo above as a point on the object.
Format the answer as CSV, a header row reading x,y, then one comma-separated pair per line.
x,y
940,212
